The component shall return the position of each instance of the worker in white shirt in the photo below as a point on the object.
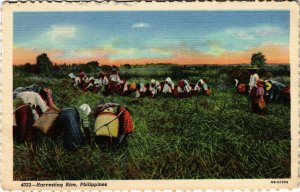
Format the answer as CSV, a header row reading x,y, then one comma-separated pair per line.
x,y
114,77
34,100
253,77
154,87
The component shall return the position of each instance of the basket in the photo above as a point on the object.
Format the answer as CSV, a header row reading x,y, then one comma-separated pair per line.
x,y
47,121
17,104
107,124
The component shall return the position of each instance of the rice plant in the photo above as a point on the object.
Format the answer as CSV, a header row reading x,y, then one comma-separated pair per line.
x,y
200,137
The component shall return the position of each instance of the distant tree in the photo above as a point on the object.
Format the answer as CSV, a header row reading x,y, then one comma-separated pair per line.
x,y
29,68
115,67
43,63
258,60
128,66
93,64
55,67
106,68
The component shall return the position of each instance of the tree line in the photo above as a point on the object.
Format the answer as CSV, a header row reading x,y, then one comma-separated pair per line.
x,y
45,65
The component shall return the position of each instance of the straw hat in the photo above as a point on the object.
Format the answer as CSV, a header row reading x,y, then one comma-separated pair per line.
x,y
268,85
260,83
85,108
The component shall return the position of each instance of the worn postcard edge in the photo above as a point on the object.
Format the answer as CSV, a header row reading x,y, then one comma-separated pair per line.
x,y
231,184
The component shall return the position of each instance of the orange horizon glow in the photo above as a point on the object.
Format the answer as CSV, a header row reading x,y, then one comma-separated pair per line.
x,y
274,54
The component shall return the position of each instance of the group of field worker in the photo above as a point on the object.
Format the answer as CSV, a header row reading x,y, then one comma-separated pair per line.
x,y
112,83
35,112
260,90
34,107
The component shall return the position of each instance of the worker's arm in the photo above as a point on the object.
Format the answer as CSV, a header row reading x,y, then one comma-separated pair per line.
x,y
86,128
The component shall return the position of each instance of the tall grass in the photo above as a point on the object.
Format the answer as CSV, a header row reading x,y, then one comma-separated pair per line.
x,y
191,138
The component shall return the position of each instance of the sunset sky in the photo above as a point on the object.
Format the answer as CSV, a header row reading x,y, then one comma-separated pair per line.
x,y
138,37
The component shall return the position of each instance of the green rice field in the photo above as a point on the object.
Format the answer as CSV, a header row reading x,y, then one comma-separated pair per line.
x,y
200,137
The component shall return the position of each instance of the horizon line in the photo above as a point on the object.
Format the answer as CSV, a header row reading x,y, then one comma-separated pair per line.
x,y
159,63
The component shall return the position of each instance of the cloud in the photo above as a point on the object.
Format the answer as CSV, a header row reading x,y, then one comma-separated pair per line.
x,y
274,53
22,55
61,32
213,43
268,30
245,38
192,57
122,49
161,51
54,37
65,44
89,53
241,33
216,50
251,33
140,25
133,53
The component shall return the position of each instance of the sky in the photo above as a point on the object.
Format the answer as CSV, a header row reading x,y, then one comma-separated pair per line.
x,y
139,37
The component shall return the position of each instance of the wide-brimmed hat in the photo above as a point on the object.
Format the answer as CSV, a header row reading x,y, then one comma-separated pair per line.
x,y
260,82
85,108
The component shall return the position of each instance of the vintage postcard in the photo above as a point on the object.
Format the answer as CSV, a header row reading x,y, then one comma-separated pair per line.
x,y
182,95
